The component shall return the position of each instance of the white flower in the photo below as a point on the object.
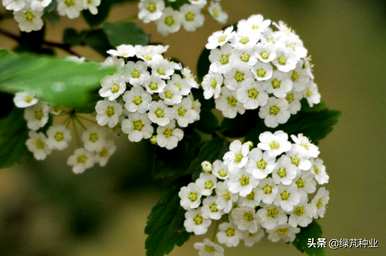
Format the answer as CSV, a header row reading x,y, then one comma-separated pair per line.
x,y
150,10
265,52
243,40
304,147
274,143
155,84
123,50
254,24
228,104
293,99
92,5
237,156
252,96
285,233
80,160
320,201
24,100
319,171
228,234
170,21
136,72
260,164
70,8
298,160
29,19
199,3
251,239
171,95
184,85
285,60
284,171
168,136
245,219
219,38
238,76
206,166
196,223
108,113
190,196
271,216
192,17
159,113
113,61
305,183
251,200
287,197
112,87
267,191
37,144
242,183
58,137
185,114
103,155
150,53
14,5
37,116
207,183
244,57
300,76
208,248
215,10
137,126
211,84
165,68
211,208
312,94
93,139
221,59
220,170
279,84
225,197
275,112
302,214
137,100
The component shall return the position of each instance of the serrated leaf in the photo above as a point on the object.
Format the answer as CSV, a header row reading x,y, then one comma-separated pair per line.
x,y
57,81
13,134
312,231
125,32
165,228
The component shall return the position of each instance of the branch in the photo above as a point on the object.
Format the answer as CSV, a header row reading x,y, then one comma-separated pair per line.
x,y
64,47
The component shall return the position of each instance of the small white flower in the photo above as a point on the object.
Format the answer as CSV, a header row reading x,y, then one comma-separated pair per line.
x,y
112,87
206,166
159,113
58,137
215,10
243,40
220,170
192,17
211,84
265,52
155,84
24,100
37,144
14,5
103,155
285,233
208,248
136,72
168,136
185,114
275,112
221,60
260,164
304,147
245,219
279,84
170,21
113,61
252,96
228,104
274,143
137,126
285,60
219,38
242,183
312,94
228,235
171,95
108,113
262,71
302,214
196,223
151,54
271,216
183,84
305,183
319,171
190,196
254,24
267,191
93,139
29,19
199,3
211,208
207,183
37,116
137,100
293,99
298,160
123,50
92,5
237,156
244,57
284,171
251,239
225,197
238,76
81,160
70,8
287,197
320,201
150,10
251,200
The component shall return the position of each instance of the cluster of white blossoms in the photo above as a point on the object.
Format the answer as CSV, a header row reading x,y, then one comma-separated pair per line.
x,y
29,13
270,190
189,16
259,65
149,96
52,128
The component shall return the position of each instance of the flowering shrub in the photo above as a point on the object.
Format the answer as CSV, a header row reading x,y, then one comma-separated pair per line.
x,y
259,65
269,190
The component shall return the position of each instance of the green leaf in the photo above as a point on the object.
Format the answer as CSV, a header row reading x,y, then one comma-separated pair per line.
x,y
125,33
103,12
203,64
13,134
312,231
95,38
165,225
56,81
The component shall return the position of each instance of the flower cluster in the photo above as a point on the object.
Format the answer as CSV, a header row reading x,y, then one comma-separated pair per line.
x,y
189,16
29,13
52,128
149,96
259,65
271,189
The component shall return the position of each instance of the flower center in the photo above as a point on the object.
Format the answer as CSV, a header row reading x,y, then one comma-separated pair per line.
x,y
151,7
274,145
213,207
153,86
69,3
294,76
137,100
59,136
261,72
285,195
230,232
232,101
290,97
208,184
264,55
244,40
267,189
29,15
198,219
245,57
282,172
159,112
168,132
244,180
300,183
193,196
224,59
38,114
190,16
253,93
169,21
115,88
299,211
138,125
282,60
248,216
272,212
135,73
238,157
93,137
110,111
40,144
276,83
81,159
261,164
274,110
213,83
239,76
